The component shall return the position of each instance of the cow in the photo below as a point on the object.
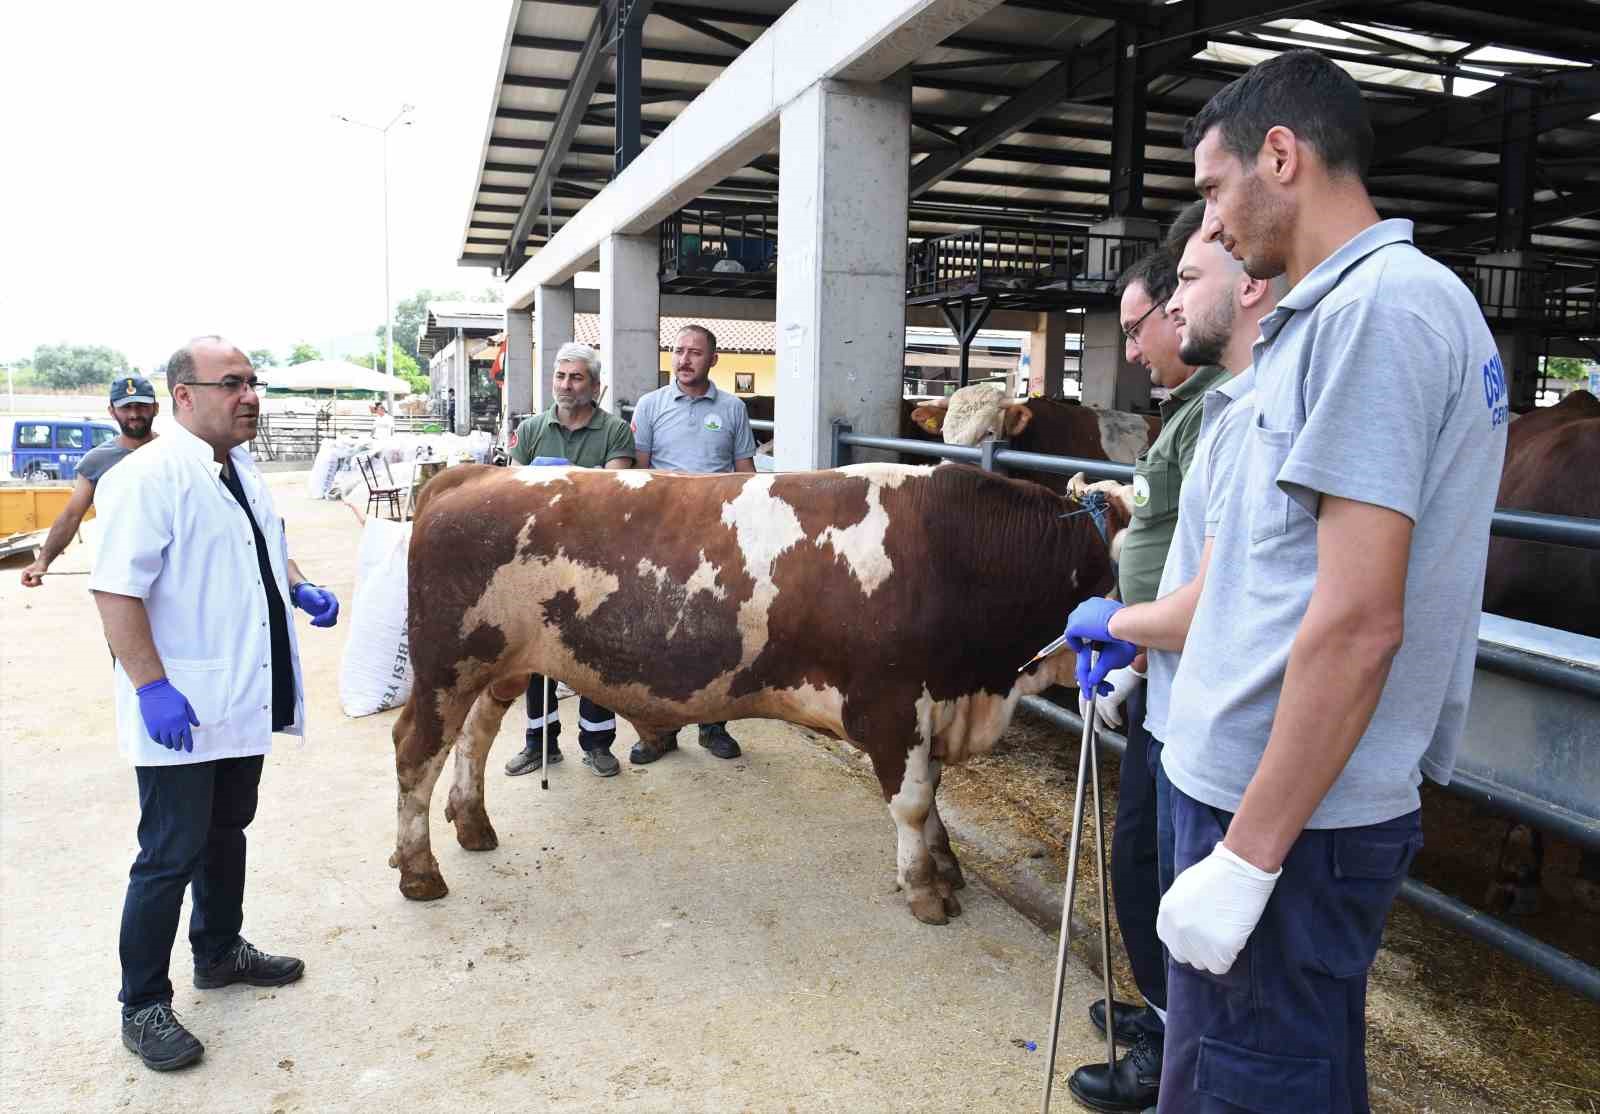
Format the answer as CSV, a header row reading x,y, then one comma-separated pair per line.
x,y
1552,460
1041,425
888,605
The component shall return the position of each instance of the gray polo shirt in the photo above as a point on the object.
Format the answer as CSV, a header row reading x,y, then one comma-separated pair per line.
x,y
686,434
100,459
1224,415
1376,380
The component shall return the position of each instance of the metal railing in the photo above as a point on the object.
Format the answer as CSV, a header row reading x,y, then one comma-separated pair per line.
x,y
1555,295
1001,259
719,240
1565,969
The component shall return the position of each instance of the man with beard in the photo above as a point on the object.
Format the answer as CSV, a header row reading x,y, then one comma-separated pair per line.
x,y
577,431
691,426
194,585
1216,310
133,407
1328,665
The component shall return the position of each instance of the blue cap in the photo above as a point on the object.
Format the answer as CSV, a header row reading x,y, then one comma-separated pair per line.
x,y
130,389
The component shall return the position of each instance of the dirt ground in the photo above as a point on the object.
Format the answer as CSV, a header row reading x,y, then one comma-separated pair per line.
x,y
650,942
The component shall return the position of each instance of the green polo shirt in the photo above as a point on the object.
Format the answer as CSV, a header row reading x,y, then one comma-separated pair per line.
x,y
1157,479
606,438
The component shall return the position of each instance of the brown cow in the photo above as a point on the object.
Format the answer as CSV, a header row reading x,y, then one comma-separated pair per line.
x,y
887,605
1040,425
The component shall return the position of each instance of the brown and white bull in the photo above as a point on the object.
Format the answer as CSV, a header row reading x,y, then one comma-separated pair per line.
x,y
1038,425
887,605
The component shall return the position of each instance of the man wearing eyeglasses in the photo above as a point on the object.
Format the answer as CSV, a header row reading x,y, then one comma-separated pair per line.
x,y
1151,339
194,584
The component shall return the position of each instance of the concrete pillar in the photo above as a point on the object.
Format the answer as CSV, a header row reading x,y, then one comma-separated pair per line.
x,y
553,326
630,311
1047,354
521,378
844,154
462,380
1508,288
1109,381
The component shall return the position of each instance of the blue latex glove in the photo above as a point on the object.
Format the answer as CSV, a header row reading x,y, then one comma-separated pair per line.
x,y
319,603
167,715
549,461
1086,632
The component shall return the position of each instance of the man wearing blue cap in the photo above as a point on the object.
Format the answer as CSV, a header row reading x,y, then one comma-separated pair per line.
x,y
133,407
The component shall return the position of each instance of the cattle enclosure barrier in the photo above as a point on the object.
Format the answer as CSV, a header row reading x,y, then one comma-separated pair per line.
x,y
1534,796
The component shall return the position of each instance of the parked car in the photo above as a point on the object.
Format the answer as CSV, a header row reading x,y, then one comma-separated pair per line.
x,y
50,448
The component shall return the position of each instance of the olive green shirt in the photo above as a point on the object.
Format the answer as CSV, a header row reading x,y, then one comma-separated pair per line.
x,y
1157,479
605,438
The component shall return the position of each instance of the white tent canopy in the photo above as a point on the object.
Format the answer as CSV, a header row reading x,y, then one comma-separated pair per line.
x,y
335,375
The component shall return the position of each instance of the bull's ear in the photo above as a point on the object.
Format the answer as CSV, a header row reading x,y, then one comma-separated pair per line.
x,y
930,418
1017,417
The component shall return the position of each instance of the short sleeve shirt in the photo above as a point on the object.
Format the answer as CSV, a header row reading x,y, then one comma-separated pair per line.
x,y
683,433
605,438
1378,381
1206,486
100,460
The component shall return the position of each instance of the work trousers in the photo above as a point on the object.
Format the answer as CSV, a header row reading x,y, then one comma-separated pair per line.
x,y
597,726
1285,1028
1135,881
191,833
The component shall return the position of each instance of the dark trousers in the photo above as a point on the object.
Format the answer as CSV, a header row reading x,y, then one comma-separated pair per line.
x,y
191,833
1285,1028
1135,881
597,726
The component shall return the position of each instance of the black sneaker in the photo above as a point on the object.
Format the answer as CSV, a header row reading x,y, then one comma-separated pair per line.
x,y
1132,1020
245,962
602,762
1131,1084
156,1036
644,753
529,759
715,738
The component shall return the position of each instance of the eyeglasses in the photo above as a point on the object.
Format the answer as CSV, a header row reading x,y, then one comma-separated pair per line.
x,y
232,384
1133,333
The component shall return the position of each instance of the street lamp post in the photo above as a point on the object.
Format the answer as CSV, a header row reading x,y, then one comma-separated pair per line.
x,y
388,302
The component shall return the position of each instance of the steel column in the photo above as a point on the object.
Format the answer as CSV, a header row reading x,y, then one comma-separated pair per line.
x,y
1128,126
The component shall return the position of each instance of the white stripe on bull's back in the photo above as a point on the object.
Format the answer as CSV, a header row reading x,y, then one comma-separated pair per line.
x,y
1123,436
632,477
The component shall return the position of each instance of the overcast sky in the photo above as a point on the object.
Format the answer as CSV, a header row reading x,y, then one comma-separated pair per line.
x,y
173,168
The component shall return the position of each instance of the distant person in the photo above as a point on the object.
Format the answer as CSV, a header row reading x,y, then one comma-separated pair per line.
x,y
133,407
690,426
382,423
194,585
573,429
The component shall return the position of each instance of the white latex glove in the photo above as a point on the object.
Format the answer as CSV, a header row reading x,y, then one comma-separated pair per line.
x,y
1212,908
1108,708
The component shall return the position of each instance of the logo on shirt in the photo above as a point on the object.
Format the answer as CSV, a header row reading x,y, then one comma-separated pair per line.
x,y
1141,491
1495,396
713,423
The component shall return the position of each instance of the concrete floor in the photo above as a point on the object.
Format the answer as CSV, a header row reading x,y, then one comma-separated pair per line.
x,y
695,936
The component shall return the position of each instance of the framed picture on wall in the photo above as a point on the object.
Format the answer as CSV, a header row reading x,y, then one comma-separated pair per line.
x,y
744,382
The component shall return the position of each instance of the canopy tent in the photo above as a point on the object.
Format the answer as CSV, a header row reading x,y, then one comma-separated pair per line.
x,y
335,375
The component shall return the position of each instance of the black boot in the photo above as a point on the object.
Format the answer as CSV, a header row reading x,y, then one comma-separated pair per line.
x,y
715,738
1130,1085
644,752
157,1037
1131,1021
244,962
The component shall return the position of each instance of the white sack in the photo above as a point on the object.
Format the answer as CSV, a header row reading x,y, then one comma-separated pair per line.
x,y
375,673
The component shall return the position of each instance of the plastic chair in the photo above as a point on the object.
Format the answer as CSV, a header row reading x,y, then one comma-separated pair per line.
x,y
379,491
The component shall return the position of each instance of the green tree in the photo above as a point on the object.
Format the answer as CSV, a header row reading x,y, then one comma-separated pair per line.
x,y
411,315
1565,367
66,366
304,353
404,367
262,357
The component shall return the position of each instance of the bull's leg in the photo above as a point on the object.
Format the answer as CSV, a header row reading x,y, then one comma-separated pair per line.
x,y
422,738
938,840
929,895
465,807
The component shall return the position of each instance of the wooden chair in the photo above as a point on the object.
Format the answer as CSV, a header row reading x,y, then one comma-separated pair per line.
x,y
380,491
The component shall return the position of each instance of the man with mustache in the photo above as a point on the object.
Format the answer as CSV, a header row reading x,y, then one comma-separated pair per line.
x,y
576,430
133,407
194,584
1328,665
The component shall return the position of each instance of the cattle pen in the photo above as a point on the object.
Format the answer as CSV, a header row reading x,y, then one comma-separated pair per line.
x,y
1556,790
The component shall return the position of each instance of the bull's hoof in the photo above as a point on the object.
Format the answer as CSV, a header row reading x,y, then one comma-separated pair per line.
x,y
427,886
928,907
950,871
476,837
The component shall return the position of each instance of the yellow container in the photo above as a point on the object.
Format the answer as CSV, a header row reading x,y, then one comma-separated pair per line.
x,y
24,509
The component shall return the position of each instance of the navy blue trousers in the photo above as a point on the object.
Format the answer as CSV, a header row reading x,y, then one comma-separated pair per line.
x,y
597,726
191,834
1135,882
1285,1028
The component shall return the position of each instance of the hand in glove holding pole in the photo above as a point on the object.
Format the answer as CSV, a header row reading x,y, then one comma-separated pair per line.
x,y
1109,706
1212,908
